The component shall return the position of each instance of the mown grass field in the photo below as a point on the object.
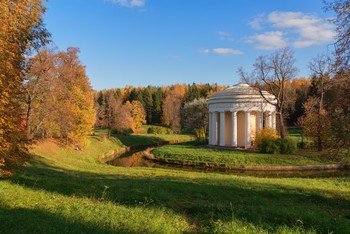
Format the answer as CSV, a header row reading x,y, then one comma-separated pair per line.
x,y
192,151
145,139
62,190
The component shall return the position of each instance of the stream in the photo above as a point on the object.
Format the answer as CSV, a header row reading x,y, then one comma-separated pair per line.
x,y
135,158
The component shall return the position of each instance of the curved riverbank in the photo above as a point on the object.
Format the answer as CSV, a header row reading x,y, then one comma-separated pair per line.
x,y
224,166
194,153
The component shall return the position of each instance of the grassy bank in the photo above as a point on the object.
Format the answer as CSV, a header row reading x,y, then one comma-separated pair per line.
x,y
143,138
66,191
191,151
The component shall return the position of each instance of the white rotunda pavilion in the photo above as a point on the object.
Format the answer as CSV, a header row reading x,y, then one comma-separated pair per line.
x,y
237,113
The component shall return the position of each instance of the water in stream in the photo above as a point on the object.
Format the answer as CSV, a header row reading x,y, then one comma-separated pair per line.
x,y
135,158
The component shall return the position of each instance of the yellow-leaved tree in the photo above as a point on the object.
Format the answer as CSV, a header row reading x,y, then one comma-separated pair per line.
x,y
60,100
21,29
139,115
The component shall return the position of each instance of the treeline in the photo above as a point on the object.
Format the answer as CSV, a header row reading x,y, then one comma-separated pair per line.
x,y
155,105
183,107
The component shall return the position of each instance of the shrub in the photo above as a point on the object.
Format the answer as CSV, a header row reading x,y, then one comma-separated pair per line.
x,y
124,131
199,133
159,130
266,133
269,146
268,141
169,131
287,146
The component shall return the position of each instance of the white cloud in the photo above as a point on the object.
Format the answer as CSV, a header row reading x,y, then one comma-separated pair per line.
x,y
268,41
257,22
129,3
311,29
224,51
300,29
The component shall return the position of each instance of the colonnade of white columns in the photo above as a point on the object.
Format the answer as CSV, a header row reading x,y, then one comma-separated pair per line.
x,y
217,127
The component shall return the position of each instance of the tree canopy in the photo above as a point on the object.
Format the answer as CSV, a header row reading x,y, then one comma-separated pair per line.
x,y
21,30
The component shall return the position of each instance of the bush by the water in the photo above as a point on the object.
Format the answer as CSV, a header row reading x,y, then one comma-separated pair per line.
x,y
267,134
276,146
268,141
159,130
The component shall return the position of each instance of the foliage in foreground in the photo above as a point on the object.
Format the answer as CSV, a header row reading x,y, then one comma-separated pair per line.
x,y
22,29
71,190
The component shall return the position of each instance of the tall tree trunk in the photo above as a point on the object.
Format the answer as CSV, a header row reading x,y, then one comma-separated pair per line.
x,y
282,128
319,122
29,118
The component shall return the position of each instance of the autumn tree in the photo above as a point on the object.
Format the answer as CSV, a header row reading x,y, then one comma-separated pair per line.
x,y
38,81
138,114
194,117
124,122
60,100
172,105
340,114
21,30
321,68
271,73
316,123
110,109
340,109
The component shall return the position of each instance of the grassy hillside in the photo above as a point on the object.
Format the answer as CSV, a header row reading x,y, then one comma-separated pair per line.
x,y
62,190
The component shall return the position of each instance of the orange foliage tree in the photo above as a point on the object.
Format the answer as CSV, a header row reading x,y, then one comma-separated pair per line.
x,y
138,112
21,29
172,106
60,99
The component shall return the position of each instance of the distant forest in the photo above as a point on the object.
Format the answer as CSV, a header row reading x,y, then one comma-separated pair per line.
x,y
163,105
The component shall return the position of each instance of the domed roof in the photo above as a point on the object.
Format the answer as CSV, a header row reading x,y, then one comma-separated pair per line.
x,y
240,93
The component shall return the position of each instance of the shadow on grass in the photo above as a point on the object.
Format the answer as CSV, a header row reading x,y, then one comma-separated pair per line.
x,y
201,201
38,221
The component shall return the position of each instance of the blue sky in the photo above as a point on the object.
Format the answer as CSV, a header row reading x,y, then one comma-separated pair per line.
x,y
162,42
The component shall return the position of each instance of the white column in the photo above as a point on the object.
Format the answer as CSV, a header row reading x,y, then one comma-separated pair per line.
x,y
247,129
260,120
222,128
210,128
214,129
273,120
234,129
267,120
270,119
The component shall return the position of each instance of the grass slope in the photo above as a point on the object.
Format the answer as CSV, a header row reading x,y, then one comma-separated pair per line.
x,y
66,191
191,151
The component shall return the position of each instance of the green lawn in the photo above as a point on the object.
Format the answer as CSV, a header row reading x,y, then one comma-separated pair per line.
x,y
144,138
66,191
193,152
149,139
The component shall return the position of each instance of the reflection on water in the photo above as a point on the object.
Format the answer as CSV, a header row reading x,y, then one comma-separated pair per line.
x,y
135,159
131,159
